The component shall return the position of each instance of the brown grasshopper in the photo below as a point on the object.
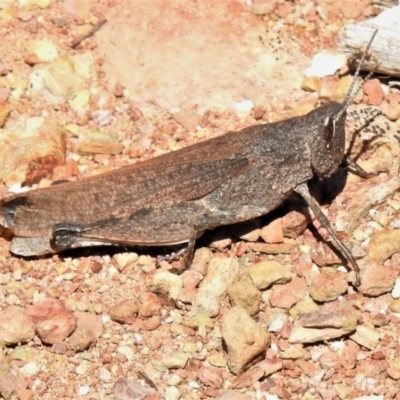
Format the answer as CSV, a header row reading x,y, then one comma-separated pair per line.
x,y
173,198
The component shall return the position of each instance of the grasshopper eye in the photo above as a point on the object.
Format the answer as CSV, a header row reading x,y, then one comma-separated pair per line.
x,y
329,129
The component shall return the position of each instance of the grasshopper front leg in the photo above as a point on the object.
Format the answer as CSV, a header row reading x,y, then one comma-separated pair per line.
x,y
302,189
361,171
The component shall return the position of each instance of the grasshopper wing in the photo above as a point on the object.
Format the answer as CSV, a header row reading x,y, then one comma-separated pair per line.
x,y
186,174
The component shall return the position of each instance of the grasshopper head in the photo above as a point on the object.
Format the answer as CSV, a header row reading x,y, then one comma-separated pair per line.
x,y
328,139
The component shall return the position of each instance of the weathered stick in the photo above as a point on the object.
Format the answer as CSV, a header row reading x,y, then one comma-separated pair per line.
x,y
385,49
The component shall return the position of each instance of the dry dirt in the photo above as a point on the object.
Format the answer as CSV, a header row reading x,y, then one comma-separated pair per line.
x,y
267,310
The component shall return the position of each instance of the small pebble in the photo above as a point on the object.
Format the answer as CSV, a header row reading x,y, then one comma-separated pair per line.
x,y
83,390
172,393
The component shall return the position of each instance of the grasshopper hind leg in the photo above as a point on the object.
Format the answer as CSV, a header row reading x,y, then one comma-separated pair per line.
x,y
152,226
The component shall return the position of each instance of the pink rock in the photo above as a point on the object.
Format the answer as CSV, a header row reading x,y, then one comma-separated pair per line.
x,y
151,323
126,389
322,255
374,92
187,295
348,355
53,321
372,368
221,239
9,384
245,341
328,286
330,360
247,230
327,88
151,305
338,314
91,321
308,368
191,278
188,118
16,326
233,395
270,365
327,394
377,279
247,378
294,223
271,248
211,376
24,394
4,94
273,232
77,8
303,266
262,7
60,348
125,311
284,9
258,112
393,110
31,151
66,171
351,9
41,167
82,338
393,96
285,296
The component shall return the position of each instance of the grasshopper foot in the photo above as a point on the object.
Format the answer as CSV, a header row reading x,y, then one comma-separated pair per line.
x,y
361,172
174,256
185,256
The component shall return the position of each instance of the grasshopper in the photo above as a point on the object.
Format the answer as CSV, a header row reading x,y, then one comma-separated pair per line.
x,y
173,198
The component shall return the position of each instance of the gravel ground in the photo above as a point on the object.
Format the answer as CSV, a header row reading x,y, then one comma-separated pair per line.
x,y
267,310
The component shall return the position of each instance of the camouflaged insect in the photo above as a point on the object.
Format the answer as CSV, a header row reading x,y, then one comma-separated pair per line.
x,y
173,198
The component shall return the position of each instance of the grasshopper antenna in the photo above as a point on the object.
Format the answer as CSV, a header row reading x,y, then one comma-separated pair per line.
x,y
351,96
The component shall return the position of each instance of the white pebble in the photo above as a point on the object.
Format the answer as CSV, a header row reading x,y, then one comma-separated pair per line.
x,y
326,63
244,106
126,351
105,318
83,390
271,397
82,368
104,374
16,188
112,271
396,224
30,369
337,345
277,322
17,275
172,393
138,338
